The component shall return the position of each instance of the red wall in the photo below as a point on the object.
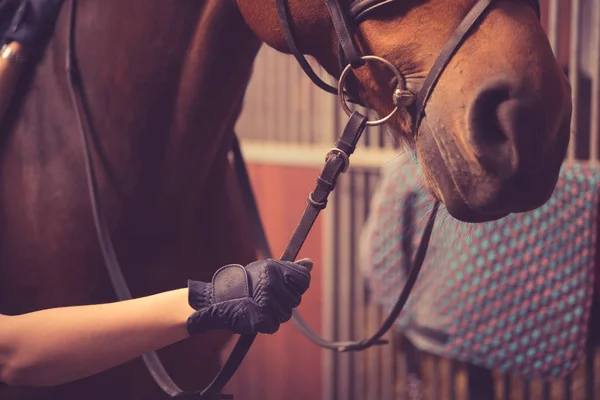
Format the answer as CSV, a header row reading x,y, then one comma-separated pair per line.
x,y
285,365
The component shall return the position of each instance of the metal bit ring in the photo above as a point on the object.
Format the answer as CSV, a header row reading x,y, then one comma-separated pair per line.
x,y
399,94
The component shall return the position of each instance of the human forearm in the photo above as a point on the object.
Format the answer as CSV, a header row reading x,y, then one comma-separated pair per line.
x,y
54,346
59,345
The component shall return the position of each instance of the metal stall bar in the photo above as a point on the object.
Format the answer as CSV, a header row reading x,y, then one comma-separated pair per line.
x,y
574,51
344,311
329,359
359,214
589,372
296,101
595,106
553,26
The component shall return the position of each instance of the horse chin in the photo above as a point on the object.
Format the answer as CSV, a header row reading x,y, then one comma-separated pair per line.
x,y
469,193
441,187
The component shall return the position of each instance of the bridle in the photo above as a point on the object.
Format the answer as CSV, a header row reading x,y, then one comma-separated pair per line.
x,y
337,162
350,57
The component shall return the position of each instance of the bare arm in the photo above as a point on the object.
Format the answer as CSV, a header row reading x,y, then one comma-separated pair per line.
x,y
55,346
59,345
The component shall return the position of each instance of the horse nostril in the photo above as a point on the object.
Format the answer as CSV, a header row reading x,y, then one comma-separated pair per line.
x,y
485,127
492,122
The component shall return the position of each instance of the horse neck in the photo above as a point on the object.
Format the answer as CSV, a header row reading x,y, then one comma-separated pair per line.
x,y
163,82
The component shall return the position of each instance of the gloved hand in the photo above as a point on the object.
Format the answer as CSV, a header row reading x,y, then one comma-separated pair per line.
x,y
33,22
248,300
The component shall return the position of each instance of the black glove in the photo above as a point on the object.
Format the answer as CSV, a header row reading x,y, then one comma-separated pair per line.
x,y
33,22
248,300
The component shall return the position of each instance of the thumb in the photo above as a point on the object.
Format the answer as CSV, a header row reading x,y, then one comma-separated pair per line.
x,y
306,263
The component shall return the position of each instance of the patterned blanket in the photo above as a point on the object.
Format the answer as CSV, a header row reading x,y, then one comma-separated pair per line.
x,y
513,294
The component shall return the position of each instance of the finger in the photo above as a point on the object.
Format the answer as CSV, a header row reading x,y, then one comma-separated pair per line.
x,y
292,293
295,288
268,325
285,316
282,299
302,268
306,263
294,299
273,296
279,306
296,283
297,274
287,288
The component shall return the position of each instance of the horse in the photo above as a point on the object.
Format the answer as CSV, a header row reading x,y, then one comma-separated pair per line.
x,y
165,83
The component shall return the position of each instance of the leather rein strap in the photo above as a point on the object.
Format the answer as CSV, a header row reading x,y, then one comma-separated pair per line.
x,y
153,363
337,161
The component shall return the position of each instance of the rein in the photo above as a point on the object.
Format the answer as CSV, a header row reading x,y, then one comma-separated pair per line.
x,y
337,161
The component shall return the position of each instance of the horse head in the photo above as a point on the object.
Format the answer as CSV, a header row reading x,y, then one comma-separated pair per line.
x,y
496,126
